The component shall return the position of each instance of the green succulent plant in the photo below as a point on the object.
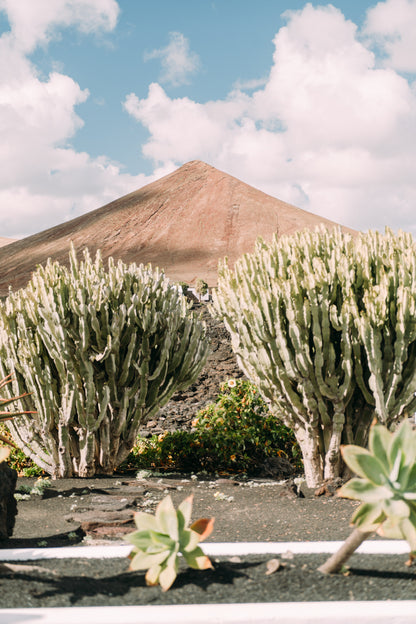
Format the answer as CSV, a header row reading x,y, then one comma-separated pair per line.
x,y
386,483
386,486
160,539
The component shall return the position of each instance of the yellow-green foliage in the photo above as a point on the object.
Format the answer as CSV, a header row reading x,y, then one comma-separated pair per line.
x,y
235,434
325,325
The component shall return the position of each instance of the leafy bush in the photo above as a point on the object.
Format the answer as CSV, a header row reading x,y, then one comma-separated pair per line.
x,y
325,325
23,465
99,351
235,434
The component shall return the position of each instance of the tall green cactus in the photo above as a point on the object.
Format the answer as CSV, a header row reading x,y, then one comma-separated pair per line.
x,y
325,325
100,351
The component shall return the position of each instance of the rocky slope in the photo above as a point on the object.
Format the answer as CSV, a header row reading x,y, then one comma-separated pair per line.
x,y
221,365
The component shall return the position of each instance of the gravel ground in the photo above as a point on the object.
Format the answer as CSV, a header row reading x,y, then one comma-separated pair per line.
x,y
81,582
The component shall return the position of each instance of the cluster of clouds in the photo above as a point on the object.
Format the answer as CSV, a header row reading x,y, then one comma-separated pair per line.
x,y
331,129
178,61
43,180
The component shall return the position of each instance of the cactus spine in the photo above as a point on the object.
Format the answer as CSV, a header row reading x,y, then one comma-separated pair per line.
x,y
100,351
325,325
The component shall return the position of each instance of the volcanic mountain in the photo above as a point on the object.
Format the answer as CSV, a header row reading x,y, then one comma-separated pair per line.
x,y
184,223
6,241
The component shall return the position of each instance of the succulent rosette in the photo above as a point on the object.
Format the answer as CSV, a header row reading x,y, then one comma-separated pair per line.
x,y
385,483
160,539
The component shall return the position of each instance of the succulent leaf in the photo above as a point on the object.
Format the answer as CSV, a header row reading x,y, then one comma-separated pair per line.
x,y
152,575
378,443
145,521
140,539
197,560
368,517
403,441
168,575
364,464
409,481
189,540
360,489
397,508
395,471
143,560
184,512
391,528
161,540
203,526
167,518
390,508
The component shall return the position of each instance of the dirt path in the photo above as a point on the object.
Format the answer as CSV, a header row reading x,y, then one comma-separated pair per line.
x,y
75,511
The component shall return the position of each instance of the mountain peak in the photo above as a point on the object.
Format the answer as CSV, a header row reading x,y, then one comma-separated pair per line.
x,y
183,223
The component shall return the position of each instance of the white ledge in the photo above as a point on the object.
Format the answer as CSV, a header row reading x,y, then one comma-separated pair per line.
x,y
374,547
364,612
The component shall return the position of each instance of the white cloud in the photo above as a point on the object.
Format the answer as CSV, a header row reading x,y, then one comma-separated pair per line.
x,y
43,180
331,130
34,22
391,25
181,127
177,59
249,85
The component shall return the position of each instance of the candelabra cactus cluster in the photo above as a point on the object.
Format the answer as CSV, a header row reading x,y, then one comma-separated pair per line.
x,y
325,325
99,351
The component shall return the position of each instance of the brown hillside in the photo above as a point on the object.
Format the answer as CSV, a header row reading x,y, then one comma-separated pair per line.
x,y
6,241
184,223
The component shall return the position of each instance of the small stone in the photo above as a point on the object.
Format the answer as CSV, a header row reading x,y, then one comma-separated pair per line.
x,y
272,566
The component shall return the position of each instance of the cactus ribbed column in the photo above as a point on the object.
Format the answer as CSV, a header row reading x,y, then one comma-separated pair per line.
x,y
100,351
325,325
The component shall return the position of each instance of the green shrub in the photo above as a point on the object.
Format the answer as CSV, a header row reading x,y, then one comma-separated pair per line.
x,y
325,325
23,465
235,434
99,351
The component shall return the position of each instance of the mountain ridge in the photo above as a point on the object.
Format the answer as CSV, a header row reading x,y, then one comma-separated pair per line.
x,y
185,222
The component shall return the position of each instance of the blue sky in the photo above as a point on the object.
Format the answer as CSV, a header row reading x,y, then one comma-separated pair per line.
x,y
313,103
